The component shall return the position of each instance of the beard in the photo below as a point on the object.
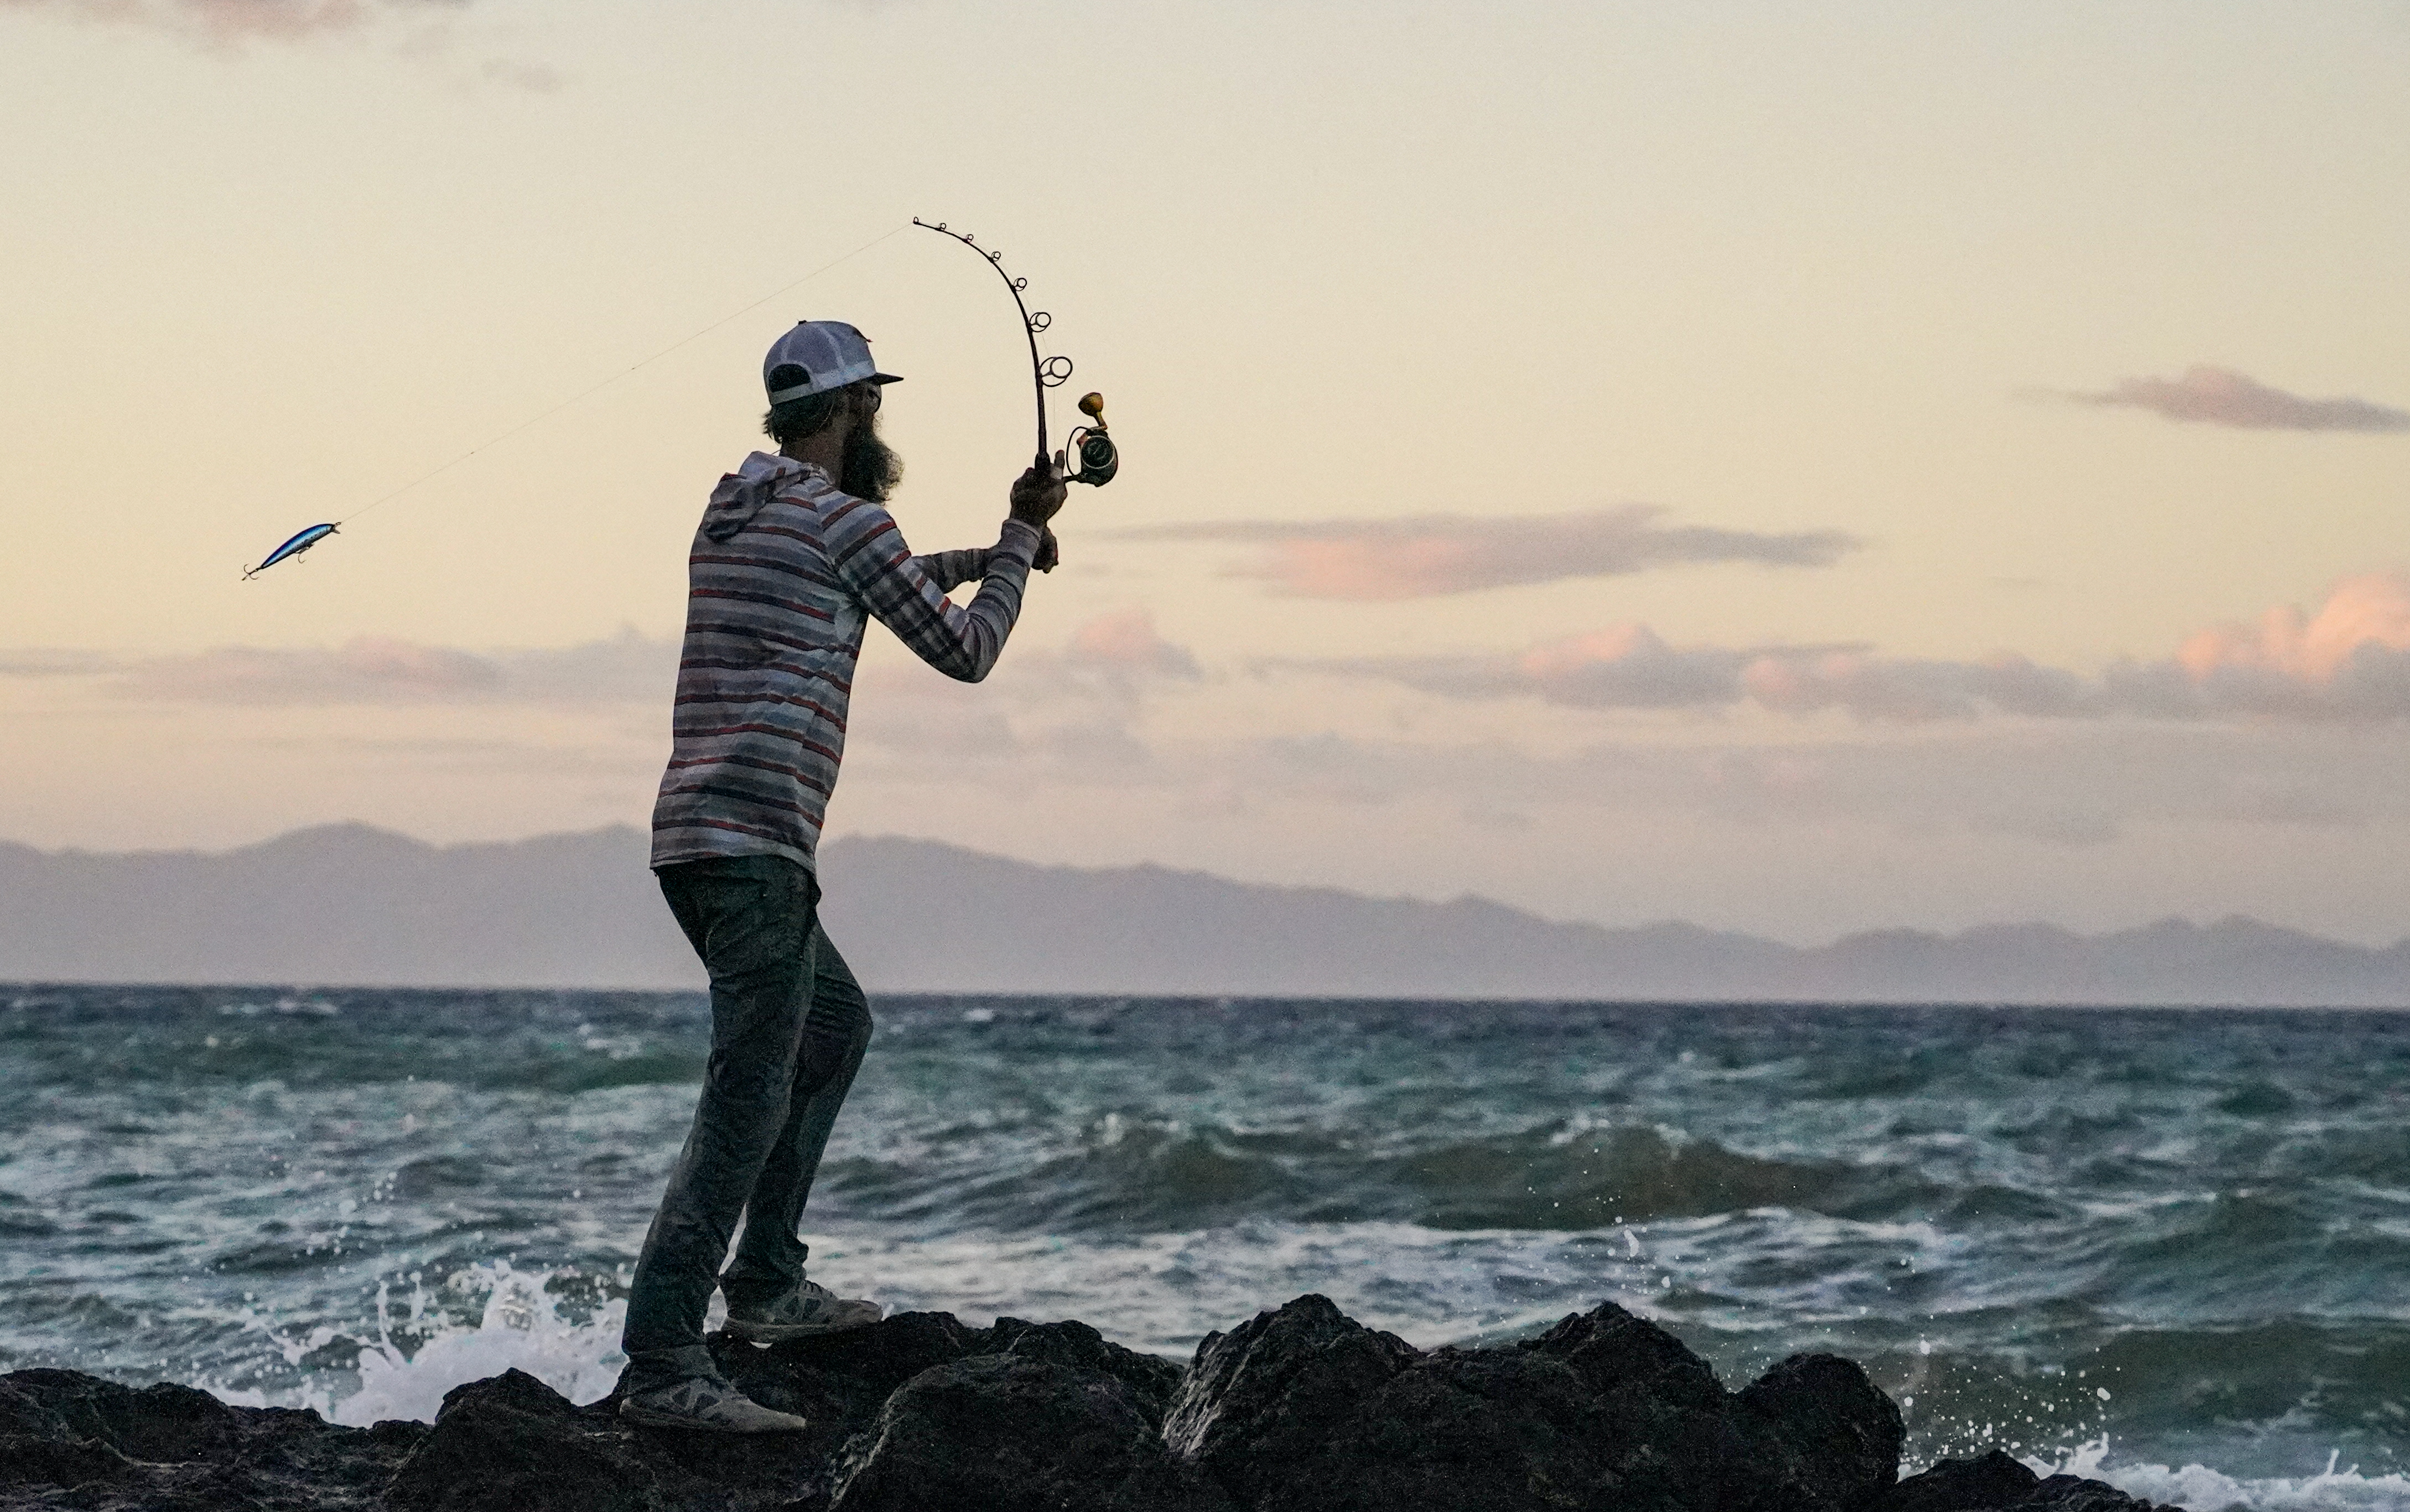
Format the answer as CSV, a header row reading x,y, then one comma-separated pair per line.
x,y
871,468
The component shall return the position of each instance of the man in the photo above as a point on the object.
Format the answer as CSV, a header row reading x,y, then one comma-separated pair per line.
x,y
794,553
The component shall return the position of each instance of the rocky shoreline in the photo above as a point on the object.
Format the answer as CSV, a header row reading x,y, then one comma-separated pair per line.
x,y
1298,1410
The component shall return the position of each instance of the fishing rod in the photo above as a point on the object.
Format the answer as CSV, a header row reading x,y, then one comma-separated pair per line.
x,y
1099,459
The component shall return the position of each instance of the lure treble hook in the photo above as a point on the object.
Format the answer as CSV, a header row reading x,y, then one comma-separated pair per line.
x,y
1099,459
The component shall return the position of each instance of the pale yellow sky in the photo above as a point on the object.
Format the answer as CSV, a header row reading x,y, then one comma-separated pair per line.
x,y
1777,271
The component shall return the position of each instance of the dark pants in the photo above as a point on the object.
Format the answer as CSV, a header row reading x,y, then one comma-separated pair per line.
x,y
788,1025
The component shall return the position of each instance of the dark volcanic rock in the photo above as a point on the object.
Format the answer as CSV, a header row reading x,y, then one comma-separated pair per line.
x,y
1997,1480
169,1447
1844,1435
1306,1410
1017,1434
2073,1493
512,1444
1151,1378
1261,1403
1298,1410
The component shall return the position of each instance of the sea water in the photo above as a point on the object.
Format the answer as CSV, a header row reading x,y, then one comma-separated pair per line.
x,y
2169,1248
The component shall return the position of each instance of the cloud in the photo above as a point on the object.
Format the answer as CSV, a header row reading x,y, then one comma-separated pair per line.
x,y
421,29
1077,710
2220,396
39,661
220,21
1106,664
369,669
1435,554
373,669
2349,663
1126,639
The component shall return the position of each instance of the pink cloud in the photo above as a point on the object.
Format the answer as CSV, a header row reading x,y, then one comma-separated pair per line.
x,y
1435,554
223,20
1126,640
2371,611
2349,662
2222,397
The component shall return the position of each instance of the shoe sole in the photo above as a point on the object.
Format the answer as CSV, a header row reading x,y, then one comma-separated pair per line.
x,y
646,1418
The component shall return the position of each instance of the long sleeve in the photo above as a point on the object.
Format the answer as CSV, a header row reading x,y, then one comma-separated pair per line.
x,y
962,642
951,570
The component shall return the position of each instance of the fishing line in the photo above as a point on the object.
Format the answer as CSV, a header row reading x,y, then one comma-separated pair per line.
x,y
589,393
316,534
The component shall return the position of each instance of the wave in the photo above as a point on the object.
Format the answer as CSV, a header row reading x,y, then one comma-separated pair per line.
x,y
1562,1176
1124,1173
2262,1396
2206,1490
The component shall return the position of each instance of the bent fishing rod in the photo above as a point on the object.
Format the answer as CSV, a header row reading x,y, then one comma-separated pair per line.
x,y
1099,459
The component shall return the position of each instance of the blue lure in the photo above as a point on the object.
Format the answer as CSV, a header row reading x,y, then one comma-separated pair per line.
x,y
294,547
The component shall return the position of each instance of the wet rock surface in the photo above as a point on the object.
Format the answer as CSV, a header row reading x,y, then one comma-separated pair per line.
x,y
1301,1409
1998,1481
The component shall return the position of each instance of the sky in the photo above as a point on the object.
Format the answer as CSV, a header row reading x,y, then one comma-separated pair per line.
x,y
1794,468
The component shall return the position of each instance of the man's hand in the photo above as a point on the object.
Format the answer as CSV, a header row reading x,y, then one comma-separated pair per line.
x,y
1050,554
1037,493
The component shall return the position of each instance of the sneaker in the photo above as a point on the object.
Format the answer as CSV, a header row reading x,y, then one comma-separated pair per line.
x,y
809,1309
703,1403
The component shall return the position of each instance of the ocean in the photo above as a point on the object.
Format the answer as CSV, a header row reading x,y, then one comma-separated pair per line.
x,y
2169,1248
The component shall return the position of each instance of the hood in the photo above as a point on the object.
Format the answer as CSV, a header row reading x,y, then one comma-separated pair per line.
x,y
742,493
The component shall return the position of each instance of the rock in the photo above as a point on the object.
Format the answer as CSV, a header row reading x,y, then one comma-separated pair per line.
x,y
169,1447
38,1447
1996,1480
2073,1493
1471,1429
164,1423
874,1360
1300,1409
1151,1378
1016,1433
840,1380
1673,1439
1844,1434
1305,1410
1259,1403
512,1444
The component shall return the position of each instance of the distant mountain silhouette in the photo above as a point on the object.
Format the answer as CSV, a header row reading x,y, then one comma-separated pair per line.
x,y
351,905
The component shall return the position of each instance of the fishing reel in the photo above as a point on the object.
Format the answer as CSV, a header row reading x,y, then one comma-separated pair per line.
x,y
1098,458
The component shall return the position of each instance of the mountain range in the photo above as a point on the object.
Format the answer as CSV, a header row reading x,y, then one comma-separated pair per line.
x,y
350,905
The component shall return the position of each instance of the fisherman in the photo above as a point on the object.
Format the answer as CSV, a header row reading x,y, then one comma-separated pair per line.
x,y
795,552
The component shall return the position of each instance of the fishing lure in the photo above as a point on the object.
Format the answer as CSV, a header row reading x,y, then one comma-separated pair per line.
x,y
294,547
1099,459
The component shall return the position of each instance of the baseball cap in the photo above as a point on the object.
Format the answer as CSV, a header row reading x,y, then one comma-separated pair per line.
x,y
821,354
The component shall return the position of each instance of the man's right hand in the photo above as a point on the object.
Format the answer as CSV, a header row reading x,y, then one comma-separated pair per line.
x,y
1037,493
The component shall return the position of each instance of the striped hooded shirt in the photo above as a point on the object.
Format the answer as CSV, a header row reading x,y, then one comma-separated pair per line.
x,y
783,572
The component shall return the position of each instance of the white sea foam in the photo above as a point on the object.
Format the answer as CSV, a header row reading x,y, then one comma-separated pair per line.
x,y
521,1327
2197,1488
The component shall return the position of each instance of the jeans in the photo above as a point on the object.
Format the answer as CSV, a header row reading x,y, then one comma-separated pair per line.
x,y
788,1025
